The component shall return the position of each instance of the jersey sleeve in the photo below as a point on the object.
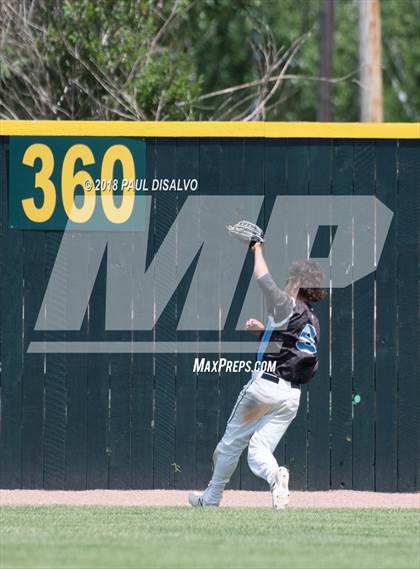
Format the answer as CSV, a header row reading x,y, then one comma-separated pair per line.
x,y
280,304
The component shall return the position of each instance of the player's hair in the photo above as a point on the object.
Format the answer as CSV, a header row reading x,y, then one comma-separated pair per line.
x,y
310,275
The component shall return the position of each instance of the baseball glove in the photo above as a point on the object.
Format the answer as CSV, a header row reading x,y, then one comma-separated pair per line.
x,y
247,232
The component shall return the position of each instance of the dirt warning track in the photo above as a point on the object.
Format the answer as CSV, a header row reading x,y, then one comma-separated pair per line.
x,y
232,498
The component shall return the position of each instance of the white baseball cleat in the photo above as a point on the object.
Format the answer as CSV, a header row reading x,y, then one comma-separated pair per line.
x,y
280,490
196,500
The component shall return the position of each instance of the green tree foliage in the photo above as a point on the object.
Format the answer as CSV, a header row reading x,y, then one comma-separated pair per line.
x,y
97,59
163,59
225,56
401,59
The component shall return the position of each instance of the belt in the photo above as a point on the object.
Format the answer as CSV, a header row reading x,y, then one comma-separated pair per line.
x,y
276,379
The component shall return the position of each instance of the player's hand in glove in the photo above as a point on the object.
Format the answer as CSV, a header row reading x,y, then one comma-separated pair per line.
x,y
247,232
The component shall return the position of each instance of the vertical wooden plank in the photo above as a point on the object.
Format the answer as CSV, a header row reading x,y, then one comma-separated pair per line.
x,y
207,427
33,364
4,153
77,380
386,325
142,378
212,390
320,165
142,421
98,449
407,227
120,421
3,220
275,186
165,215
55,382
11,296
296,436
363,336
12,358
341,340
186,167
252,184
76,432
120,387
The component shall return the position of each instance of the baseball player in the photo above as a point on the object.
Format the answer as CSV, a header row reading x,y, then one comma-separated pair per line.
x,y
268,403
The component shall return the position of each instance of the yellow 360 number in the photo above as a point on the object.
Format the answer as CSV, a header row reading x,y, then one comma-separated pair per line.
x,y
70,181
122,213
79,212
42,181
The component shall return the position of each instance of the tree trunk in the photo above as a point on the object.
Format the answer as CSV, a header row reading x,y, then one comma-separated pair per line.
x,y
370,61
326,46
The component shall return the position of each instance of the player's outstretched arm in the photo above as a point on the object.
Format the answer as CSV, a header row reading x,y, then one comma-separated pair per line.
x,y
260,266
279,301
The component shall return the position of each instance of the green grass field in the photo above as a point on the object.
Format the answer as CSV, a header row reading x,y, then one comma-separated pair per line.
x,y
108,537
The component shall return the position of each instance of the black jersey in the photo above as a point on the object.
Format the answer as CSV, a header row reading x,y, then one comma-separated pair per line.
x,y
291,335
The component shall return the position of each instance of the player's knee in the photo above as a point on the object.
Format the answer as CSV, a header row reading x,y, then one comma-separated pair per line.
x,y
222,449
253,457
258,442
231,449
256,445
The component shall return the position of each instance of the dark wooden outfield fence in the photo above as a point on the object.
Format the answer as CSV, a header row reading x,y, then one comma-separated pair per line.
x,y
80,421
